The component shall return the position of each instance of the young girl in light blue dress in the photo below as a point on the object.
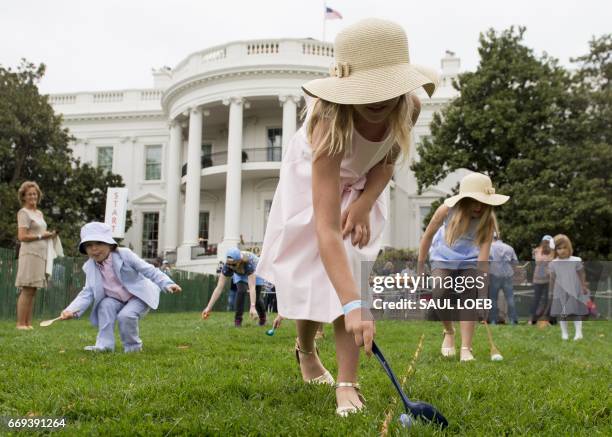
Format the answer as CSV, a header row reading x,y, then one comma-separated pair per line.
x,y
458,241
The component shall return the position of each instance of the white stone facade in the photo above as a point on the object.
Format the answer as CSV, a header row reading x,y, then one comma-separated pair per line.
x,y
228,111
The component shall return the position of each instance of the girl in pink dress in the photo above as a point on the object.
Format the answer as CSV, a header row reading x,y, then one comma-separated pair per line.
x,y
329,211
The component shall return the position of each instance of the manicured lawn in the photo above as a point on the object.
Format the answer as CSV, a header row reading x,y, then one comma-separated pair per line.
x,y
208,378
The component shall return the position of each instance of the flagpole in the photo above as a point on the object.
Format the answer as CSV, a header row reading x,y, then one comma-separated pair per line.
x,y
324,17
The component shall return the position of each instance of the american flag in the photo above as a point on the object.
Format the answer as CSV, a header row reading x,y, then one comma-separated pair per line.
x,y
331,14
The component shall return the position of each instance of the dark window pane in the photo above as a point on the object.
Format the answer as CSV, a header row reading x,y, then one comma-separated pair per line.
x,y
203,228
150,234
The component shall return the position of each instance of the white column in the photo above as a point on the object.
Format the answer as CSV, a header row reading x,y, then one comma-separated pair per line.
x,y
289,118
173,187
192,189
233,186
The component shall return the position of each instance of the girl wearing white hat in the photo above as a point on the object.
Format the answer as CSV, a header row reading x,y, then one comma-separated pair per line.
x,y
458,241
328,213
121,286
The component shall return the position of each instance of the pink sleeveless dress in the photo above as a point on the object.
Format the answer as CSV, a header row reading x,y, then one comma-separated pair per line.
x,y
290,256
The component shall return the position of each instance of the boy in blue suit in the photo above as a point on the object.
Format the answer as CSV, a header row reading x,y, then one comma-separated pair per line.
x,y
121,286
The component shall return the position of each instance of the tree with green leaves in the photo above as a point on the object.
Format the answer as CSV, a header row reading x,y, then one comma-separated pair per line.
x,y
35,146
539,132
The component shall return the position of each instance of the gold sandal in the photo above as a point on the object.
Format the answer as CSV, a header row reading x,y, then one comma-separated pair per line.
x,y
346,410
448,351
325,378
466,354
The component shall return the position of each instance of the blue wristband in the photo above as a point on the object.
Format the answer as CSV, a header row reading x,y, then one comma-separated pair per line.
x,y
354,304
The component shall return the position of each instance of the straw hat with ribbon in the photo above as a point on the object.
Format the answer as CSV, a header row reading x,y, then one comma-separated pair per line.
x,y
477,186
371,65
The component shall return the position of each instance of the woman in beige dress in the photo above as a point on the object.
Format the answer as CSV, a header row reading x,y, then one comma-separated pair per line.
x,y
33,235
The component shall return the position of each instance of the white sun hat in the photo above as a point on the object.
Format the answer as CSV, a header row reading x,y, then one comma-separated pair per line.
x,y
96,231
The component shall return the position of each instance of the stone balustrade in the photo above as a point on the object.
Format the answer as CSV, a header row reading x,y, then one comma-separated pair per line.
x,y
255,52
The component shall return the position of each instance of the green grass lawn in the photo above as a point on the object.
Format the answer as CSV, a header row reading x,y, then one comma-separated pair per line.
x,y
208,378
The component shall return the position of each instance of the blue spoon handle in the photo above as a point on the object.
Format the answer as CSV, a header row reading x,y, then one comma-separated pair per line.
x,y
394,380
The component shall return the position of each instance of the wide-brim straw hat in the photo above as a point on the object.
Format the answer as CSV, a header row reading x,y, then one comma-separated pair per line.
x,y
479,187
371,65
96,231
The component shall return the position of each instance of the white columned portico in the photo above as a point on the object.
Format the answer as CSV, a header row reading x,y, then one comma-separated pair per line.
x,y
233,190
289,103
173,187
192,188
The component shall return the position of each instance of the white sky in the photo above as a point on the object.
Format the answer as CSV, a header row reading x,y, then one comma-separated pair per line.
x,y
113,44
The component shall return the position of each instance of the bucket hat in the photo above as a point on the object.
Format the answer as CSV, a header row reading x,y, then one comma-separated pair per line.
x,y
96,231
479,187
371,65
551,241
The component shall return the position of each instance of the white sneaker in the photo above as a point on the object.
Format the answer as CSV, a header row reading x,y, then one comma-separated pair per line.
x,y
578,337
564,337
96,349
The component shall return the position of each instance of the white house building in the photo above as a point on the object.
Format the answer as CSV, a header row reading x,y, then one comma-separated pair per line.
x,y
200,152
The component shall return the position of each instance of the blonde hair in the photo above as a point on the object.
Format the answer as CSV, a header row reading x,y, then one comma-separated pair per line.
x,y
461,219
25,187
338,138
563,240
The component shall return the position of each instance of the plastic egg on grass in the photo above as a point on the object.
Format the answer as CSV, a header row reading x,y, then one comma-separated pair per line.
x,y
405,420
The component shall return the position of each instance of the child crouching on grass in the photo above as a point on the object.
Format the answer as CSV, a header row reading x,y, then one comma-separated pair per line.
x,y
121,286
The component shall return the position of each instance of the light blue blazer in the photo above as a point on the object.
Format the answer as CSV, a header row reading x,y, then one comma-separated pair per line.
x,y
139,277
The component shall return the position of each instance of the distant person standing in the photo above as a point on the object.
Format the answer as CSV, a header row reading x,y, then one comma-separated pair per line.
x,y
543,255
567,286
33,235
501,271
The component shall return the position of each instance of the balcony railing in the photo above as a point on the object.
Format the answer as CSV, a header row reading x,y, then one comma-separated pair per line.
x,y
265,154
203,251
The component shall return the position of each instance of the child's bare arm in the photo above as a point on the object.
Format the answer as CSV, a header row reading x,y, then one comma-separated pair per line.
x,y
216,293
436,221
326,205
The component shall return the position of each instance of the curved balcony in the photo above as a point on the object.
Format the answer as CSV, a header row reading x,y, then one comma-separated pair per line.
x,y
264,154
256,163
